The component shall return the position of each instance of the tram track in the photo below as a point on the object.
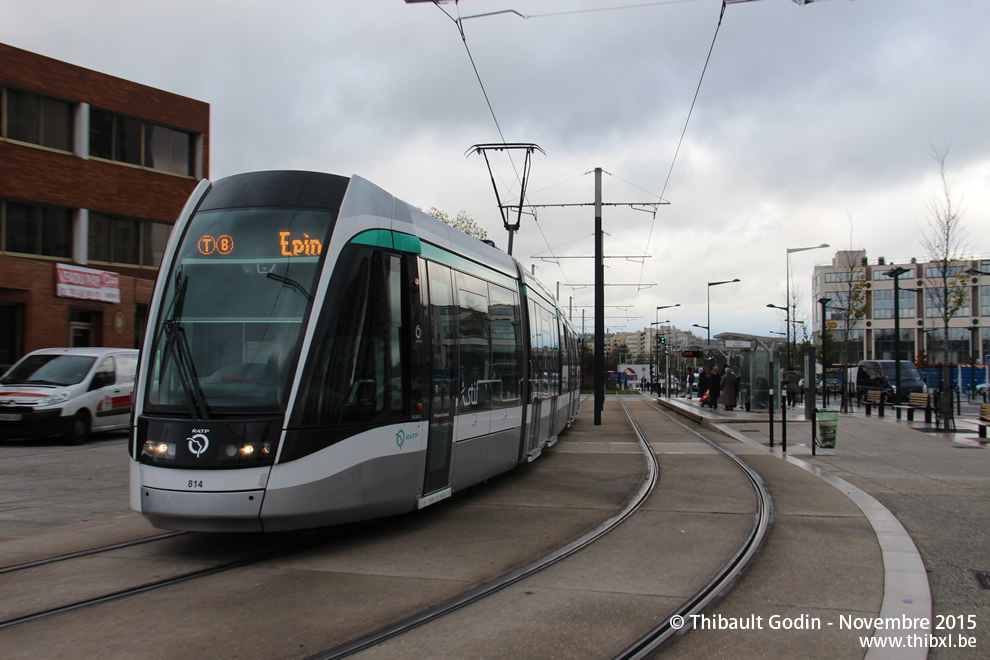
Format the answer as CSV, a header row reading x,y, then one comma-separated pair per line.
x,y
431,613
728,575
498,584
656,638
13,568
143,587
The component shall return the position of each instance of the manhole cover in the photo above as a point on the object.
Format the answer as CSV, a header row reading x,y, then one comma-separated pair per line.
x,y
982,579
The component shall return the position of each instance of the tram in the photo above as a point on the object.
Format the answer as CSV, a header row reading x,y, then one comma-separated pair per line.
x,y
320,352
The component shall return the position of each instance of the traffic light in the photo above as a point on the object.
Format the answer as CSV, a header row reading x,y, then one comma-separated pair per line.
x,y
663,340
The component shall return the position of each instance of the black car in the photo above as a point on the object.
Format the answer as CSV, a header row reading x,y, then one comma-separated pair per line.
x,y
873,375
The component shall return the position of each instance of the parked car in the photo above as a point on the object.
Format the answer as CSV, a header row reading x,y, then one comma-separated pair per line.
x,y
881,375
833,383
67,392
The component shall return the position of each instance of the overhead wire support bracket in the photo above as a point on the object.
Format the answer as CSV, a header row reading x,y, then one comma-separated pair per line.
x,y
505,209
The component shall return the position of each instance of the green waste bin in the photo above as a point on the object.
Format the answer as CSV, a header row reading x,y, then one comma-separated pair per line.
x,y
828,424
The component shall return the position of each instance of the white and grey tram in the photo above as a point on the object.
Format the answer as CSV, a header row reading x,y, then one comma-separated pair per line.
x,y
319,352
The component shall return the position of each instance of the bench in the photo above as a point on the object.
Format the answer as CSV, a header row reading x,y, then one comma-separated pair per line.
x,y
984,421
916,401
874,398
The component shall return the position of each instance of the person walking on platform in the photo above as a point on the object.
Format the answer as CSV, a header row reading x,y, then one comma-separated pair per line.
x,y
729,383
792,377
689,382
714,388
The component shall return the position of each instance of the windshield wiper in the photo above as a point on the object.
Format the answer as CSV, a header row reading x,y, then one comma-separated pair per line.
x,y
176,343
292,283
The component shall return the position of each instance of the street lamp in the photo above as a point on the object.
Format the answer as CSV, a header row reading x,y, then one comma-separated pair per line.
x,y
709,326
791,251
894,274
811,383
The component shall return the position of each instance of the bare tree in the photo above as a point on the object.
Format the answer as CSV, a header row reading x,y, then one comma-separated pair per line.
x,y
463,222
850,308
945,245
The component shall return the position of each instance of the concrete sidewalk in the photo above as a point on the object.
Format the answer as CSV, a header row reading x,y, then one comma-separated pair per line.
x,y
926,494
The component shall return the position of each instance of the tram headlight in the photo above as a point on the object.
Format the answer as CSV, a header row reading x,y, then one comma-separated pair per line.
x,y
249,451
158,450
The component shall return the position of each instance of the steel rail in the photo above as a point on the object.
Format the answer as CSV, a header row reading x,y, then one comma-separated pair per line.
x,y
13,568
151,586
483,591
728,575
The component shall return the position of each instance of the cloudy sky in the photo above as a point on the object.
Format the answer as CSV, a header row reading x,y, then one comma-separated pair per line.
x,y
813,124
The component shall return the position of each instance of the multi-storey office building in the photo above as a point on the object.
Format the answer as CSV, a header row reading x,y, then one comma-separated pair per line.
x,y
921,288
93,172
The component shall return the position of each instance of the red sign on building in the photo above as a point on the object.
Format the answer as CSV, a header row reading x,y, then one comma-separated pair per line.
x,y
86,283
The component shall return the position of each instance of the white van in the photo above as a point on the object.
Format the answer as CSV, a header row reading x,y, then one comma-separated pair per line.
x,y
68,392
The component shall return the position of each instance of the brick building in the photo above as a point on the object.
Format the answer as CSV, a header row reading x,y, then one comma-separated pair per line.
x,y
93,172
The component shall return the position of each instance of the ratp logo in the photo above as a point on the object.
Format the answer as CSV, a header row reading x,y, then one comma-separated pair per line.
x,y
198,444
401,436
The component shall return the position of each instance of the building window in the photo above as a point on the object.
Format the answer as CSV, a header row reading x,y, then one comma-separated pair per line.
x,y
125,140
35,229
956,352
36,119
935,302
885,344
935,272
985,301
883,304
844,276
127,241
838,305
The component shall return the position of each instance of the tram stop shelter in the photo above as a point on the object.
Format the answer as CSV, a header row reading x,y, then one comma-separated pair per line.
x,y
757,364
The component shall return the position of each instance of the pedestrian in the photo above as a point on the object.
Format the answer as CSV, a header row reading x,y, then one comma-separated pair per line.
x,y
729,384
714,388
702,384
791,377
690,381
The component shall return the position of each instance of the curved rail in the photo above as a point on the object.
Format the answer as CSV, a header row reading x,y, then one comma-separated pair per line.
x,y
729,574
489,588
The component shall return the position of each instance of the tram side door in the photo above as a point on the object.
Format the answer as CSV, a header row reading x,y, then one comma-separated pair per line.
x,y
443,386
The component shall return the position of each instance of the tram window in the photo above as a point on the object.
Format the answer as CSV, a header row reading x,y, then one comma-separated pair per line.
x,y
354,374
475,342
503,311
395,329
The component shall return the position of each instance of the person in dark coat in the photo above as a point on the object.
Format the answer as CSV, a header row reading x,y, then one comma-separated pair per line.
x,y
714,388
689,382
793,386
702,382
729,384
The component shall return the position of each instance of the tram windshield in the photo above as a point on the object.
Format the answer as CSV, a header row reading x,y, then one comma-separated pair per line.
x,y
233,312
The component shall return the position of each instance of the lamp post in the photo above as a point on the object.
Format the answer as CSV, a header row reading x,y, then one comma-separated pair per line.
x,y
824,303
709,326
895,273
787,285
